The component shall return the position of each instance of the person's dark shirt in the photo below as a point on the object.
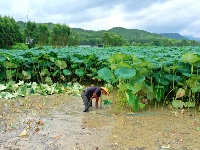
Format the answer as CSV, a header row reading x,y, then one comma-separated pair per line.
x,y
94,89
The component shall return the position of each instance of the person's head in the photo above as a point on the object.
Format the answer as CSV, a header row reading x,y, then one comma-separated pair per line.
x,y
104,91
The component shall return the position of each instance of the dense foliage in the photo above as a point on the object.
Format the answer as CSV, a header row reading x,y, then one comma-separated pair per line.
x,y
9,32
158,74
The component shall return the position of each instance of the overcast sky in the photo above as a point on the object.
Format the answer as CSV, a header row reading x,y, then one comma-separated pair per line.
x,y
155,16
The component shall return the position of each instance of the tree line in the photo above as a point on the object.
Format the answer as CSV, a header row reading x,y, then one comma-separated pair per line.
x,y
59,35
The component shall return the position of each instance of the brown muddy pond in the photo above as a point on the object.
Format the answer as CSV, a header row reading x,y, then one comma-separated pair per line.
x,y
57,122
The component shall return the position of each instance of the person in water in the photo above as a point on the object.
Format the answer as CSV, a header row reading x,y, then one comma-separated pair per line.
x,y
92,92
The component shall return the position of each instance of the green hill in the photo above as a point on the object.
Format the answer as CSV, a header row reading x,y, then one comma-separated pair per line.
x,y
130,35
176,36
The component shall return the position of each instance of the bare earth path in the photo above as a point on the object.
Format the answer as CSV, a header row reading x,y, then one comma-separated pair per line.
x,y
57,122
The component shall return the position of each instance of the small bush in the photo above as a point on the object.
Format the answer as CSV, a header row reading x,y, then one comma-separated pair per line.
x,y
20,46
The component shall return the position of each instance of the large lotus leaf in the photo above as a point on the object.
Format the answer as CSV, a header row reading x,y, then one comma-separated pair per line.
x,y
61,64
135,59
76,59
2,59
175,67
163,81
67,72
106,74
75,65
125,73
118,57
79,72
9,65
144,63
120,65
190,58
139,79
123,65
171,77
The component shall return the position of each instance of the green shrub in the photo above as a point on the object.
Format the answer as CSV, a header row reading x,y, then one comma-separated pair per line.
x,y
20,46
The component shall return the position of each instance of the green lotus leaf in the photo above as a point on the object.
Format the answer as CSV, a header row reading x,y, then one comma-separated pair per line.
x,y
67,72
9,65
79,72
2,59
61,64
118,57
196,89
190,58
178,104
75,65
125,73
171,77
106,74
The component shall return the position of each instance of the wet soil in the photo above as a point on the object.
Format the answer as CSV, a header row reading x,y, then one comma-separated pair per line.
x,y
57,122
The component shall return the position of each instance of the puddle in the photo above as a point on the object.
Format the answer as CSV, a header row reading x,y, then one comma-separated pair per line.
x,y
57,122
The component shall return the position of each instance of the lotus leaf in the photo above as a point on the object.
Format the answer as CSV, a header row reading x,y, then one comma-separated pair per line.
x,y
79,72
190,58
178,104
124,73
61,64
67,72
106,74
9,65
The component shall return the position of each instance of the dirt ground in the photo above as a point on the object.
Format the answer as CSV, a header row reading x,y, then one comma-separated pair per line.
x,y
57,122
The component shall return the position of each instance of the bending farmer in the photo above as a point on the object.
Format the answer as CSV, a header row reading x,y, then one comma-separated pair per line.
x,y
90,93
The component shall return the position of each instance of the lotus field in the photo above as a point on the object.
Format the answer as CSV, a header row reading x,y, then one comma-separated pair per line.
x,y
156,74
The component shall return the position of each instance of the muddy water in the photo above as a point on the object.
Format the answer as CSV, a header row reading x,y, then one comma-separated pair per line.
x,y
57,122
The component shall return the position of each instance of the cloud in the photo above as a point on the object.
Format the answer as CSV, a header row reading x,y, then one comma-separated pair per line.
x,y
157,16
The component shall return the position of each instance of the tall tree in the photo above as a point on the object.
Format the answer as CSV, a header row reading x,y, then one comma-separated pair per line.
x,y
60,35
43,34
9,32
30,33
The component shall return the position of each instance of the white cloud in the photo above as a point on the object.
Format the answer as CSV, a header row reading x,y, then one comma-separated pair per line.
x,y
158,16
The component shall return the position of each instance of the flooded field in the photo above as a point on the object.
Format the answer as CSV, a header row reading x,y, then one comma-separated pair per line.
x,y
57,122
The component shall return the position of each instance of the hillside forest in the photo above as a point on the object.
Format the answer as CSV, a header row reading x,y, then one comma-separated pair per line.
x,y
20,35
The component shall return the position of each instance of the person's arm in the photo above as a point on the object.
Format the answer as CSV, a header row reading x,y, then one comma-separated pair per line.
x,y
97,99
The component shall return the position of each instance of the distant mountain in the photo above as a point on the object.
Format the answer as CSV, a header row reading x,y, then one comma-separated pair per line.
x,y
131,35
176,36
193,38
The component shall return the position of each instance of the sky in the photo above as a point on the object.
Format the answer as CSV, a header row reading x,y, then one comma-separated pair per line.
x,y
155,16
